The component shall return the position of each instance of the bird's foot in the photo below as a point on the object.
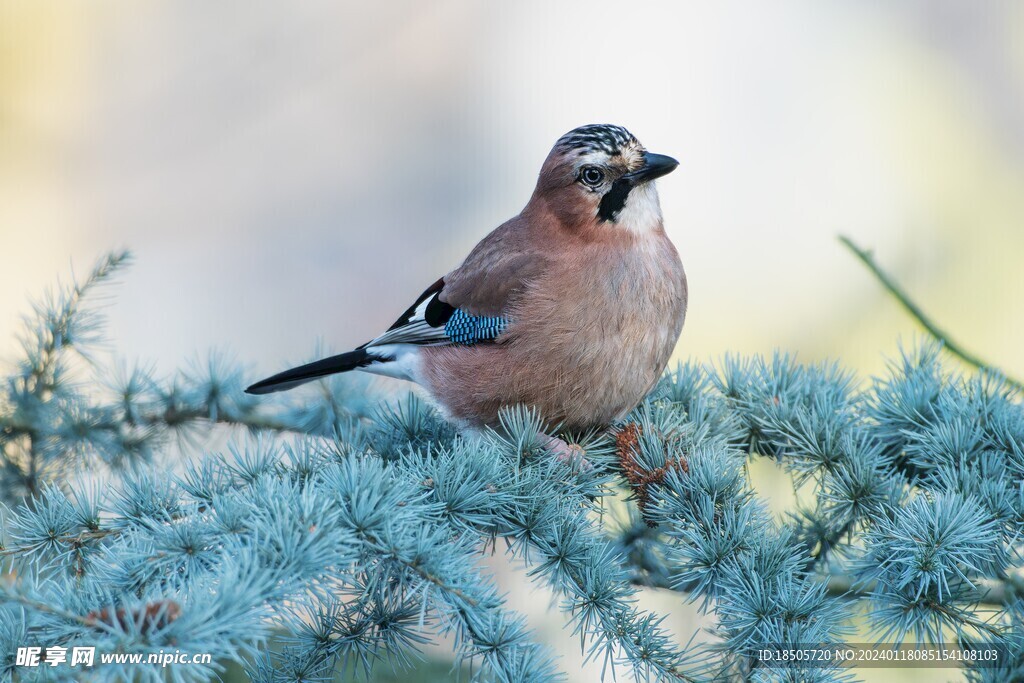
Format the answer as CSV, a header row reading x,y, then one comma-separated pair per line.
x,y
571,454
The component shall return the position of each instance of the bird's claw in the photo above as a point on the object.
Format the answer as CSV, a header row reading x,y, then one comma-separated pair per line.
x,y
572,455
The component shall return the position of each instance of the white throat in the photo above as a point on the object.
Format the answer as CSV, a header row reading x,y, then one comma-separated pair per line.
x,y
642,211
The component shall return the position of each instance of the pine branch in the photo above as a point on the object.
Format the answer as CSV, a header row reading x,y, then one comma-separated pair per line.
x,y
174,416
993,592
915,311
362,542
6,595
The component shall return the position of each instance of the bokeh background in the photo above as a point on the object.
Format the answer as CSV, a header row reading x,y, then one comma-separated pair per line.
x,y
292,172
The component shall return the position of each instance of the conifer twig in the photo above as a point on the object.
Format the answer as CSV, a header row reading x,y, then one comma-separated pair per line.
x,y
10,596
994,592
915,311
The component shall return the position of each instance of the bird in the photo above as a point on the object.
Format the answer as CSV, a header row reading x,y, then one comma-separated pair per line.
x,y
572,308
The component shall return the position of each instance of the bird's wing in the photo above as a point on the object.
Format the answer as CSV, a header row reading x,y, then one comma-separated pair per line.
x,y
432,321
470,304
497,269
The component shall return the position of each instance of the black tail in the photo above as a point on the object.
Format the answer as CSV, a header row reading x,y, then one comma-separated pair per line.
x,y
344,362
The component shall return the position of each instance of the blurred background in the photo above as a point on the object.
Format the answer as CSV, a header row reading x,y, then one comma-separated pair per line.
x,y
292,173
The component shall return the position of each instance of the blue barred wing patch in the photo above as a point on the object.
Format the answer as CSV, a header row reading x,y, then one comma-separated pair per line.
x,y
466,329
431,321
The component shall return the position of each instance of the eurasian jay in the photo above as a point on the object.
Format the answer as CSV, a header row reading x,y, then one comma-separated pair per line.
x,y
573,307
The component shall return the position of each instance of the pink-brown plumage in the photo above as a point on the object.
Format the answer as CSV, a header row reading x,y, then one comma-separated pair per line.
x,y
595,313
589,337
572,307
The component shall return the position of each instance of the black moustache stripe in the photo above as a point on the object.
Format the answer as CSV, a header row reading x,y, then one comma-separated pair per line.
x,y
614,199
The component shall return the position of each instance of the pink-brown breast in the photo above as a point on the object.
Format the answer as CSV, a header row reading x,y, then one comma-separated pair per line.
x,y
589,336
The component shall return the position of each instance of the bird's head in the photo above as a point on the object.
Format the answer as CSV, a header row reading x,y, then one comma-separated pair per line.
x,y
601,175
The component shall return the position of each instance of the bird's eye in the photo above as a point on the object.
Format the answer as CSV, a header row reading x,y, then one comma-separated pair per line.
x,y
591,176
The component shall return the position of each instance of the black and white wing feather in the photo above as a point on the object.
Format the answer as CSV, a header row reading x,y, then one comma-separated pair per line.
x,y
428,322
431,321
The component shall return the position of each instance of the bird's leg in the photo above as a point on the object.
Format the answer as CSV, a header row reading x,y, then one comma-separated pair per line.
x,y
571,454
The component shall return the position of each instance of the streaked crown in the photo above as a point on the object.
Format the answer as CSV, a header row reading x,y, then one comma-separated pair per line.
x,y
598,137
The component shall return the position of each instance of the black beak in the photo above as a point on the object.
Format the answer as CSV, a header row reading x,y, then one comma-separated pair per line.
x,y
655,166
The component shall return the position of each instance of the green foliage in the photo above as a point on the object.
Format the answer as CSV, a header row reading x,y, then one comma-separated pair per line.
x,y
355,529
